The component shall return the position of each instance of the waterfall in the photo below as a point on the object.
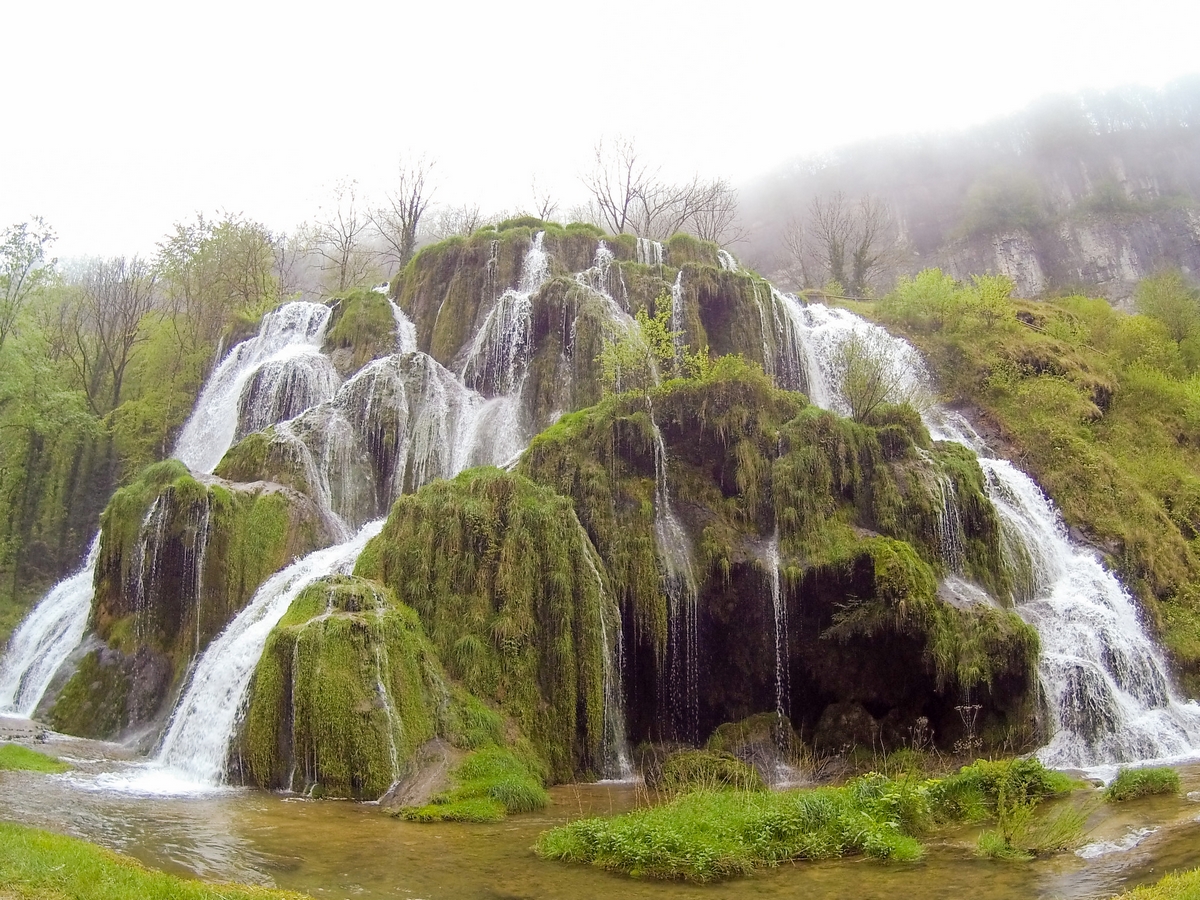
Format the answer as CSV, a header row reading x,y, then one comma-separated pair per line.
x,y
499,352
679,579
726,261
677,323
1106,684
406,331
783,679
45,638
202,728
291,334
649,253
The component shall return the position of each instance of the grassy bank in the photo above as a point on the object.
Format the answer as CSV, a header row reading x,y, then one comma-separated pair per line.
x,y
14,757
709,835
37,865
1179,886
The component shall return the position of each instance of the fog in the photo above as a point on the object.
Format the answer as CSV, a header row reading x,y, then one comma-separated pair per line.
x,y
126,117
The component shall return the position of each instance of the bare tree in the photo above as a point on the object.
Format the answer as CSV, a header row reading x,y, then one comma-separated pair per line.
x,y
716,216
340,237
449,221
628,196
843,241
544,204
23,268
616,182
399,218
100,326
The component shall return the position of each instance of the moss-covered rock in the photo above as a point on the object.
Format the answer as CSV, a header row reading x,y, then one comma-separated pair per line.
x,y
514,598
750,466
347,688
361,328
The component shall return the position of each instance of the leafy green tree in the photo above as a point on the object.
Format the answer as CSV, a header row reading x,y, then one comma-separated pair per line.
x,y
24,268
635,360
1168,298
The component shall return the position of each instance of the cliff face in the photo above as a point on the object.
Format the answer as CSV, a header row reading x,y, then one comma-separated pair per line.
x,y
1102,254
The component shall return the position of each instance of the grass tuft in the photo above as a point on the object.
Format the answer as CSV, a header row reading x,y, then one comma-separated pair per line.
x,y
1133,783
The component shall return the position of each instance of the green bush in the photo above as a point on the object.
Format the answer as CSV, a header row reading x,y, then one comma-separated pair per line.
x,y
1178,886
1133,783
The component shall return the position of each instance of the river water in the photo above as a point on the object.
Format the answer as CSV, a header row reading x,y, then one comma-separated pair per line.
x,y
339,849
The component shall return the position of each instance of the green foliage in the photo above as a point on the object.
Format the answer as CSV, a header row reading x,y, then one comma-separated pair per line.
x,y
488,784
1133,783
14,758
712,835
36,864
706,770
635,360
1002,201
1170,299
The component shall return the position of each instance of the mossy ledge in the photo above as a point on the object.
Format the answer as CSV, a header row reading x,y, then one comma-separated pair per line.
x,y
855,508
361,328
513,597
179,557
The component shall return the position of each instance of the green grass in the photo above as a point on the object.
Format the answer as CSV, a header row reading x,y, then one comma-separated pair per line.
x,y
1178,886
489,784
37,865
707,835
691,770
14,757
1133,783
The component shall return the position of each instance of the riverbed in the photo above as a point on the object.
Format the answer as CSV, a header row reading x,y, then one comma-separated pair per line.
x,y
339,849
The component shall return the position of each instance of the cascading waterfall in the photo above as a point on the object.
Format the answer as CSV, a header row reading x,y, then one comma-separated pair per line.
x,y
499,353
294,333
45,638
1106,685
288,345
649,253
679,579
677,323
196,745
726,261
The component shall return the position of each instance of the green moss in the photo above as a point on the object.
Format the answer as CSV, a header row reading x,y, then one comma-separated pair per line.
x,y
15,758
1133,783
512,596
346,689
487,785
92,703
37,864
262,456
363,324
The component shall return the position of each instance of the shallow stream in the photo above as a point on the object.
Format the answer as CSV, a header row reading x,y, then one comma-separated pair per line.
x,y
349,850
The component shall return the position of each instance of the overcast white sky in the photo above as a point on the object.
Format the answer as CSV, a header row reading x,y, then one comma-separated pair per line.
x,y
124,117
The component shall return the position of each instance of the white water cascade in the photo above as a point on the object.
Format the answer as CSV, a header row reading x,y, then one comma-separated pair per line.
x,y
1105,683
783,678
193,753
679,579
288,344
45,638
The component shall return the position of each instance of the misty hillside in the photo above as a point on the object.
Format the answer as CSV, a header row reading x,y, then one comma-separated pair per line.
x,y
1092,191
